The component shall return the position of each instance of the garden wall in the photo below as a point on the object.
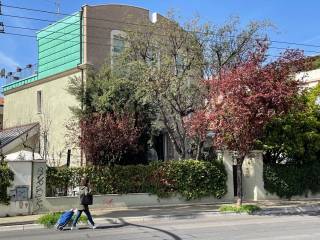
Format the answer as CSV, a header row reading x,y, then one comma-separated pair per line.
x,y
115,201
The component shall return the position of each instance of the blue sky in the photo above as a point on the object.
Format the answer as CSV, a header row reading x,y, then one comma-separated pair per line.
x,y
295,21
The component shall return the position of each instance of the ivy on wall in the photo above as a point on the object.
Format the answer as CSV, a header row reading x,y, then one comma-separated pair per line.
x,y
288,180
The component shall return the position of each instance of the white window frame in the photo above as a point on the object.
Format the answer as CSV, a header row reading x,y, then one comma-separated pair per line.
x,y
115,33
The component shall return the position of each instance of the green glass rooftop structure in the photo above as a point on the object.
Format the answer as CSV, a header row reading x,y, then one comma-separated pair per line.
x,y
59,49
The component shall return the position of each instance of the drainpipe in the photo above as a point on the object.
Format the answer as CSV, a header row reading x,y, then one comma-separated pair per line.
x,y
81,18
82,106
82,74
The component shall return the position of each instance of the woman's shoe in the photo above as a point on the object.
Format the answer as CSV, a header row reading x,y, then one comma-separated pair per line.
x,y
74,228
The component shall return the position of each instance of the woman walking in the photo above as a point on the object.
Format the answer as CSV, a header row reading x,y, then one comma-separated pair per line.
x,y
85,201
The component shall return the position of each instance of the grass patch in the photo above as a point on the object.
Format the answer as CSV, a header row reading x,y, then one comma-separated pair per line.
x,y
50,219
242,209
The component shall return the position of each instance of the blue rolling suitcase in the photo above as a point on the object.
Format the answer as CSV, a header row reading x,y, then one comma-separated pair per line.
x,y
64,219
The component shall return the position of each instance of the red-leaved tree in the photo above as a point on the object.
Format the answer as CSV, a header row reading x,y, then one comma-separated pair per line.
x,y
106,137
245,98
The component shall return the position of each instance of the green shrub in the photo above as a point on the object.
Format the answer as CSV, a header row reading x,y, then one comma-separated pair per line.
x,y
6,178
131,179
50,219
242,209
190,178
287,181
196,179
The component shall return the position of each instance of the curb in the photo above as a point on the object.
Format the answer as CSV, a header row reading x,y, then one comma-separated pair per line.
x,y
22,227
312,209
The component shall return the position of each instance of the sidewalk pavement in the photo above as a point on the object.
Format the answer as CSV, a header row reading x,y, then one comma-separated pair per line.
x,y
105,216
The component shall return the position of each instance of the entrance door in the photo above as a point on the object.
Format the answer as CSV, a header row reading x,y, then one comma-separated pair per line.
x,y
159,146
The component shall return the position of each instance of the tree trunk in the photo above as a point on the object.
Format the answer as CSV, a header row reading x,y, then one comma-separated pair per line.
x,y
239,181
199,147
182,155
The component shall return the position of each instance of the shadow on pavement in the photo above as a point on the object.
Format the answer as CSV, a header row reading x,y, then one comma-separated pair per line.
x,y
170,234
284,213
123,223
160,211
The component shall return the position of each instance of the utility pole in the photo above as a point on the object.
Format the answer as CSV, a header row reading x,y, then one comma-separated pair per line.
x,y
1,23
1,27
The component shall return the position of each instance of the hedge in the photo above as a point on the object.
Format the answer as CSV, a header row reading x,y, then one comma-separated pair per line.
x,y
191,179
287,180
6,178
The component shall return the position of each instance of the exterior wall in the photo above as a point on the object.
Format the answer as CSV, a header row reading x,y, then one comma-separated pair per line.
x,y
39,169
22,174
30,174
97,33
310,78
228,164
22,177
21,99
60,53
15,209
21,108
253,187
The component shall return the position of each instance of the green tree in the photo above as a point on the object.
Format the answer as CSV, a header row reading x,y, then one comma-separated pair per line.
x,y
295,137
106,92
170,62
6,178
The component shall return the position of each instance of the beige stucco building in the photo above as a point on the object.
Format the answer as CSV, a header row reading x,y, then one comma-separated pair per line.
x,y
65,49
310,78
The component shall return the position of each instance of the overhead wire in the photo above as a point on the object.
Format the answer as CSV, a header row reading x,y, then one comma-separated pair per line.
x,y
115,21
63,41
106,20
109,45
109,28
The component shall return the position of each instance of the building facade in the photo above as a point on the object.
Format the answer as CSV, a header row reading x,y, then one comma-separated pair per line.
x,y
310,78
65,50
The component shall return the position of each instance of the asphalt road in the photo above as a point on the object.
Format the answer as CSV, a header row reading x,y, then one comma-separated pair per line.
x,y
213,228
